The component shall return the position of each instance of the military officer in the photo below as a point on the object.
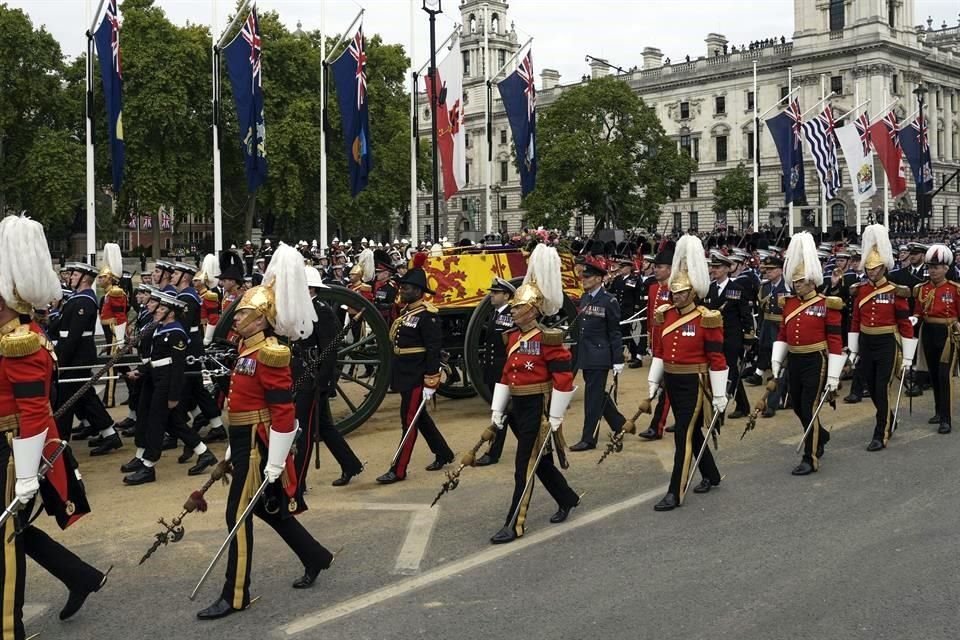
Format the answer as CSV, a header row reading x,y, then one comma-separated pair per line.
x,y
626,287
599,349
729,298
205,283
135,377
772,293
658,294
114,307
384,287
495,353
912,272
162,277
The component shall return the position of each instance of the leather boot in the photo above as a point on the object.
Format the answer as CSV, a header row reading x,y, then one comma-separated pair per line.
x,y
650,434
803,469
389,478
186,455
76,599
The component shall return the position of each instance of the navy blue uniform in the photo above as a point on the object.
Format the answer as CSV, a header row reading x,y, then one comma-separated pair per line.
x,y
599,347
772,316
734,308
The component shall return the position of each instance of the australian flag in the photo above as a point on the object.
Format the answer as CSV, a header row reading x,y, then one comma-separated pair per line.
x,y
786,129
350,77
916,148
244,56
107,37
519,95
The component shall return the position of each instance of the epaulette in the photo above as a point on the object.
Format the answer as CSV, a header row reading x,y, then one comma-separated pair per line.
x,y
274,354
782,298
855,286
506,335
916,289
902,291
430,307
211,296
660,312
552,337
20,343
116,292
833,302
710,319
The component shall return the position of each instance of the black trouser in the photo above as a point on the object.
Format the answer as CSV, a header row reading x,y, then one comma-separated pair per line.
x,y
195,394
768,335
88,405
162,419
496,447
598,404
246,480
133,400
529,423
941,358
689,393
658,420
808,374
878,357
733,353
409,404
59,561
313,412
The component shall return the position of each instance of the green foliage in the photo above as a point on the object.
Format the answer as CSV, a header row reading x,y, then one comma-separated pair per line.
x,y
734,192
602,152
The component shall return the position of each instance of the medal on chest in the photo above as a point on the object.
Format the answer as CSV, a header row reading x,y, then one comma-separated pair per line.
x,y
816,311
504,320
883,298
411,321
595,311
529,348
245,366
688,330
947,297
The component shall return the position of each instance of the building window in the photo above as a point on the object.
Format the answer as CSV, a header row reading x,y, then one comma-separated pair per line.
x,y
463,204
750,100
721,148
495,24
750,143
504,171
684,110
427,228
467,174
503,202
677,221
892,13
466,139
696,149
426,208
466,63
838,215
473,23
896,84
694,221
837,9
693,189
784,92
503,136
836,85
720,105
501,59
685,144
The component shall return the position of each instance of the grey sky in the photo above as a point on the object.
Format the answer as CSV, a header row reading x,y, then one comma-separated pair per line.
x,y
563,30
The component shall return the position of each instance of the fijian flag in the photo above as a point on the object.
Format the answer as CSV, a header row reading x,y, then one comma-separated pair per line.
x,y
244,55
519,95
107,37
913,141
785,130
350,77
819,134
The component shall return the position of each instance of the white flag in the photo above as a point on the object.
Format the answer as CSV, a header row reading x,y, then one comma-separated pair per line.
x,y
859,155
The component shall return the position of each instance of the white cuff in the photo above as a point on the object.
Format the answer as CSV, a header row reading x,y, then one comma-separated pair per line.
x,y
27,453
835,364
208,333
279,447
559,401
501,396
779,355
853,342
655,375
120,333
718,382
909,348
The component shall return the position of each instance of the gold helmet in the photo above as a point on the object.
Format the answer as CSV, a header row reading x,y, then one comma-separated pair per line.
x,y
542,286
112,262
528,293
356,270
261,300
689,267
681,282
877,250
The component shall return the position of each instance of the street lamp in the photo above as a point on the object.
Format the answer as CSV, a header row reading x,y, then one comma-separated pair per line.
x,y
433,7
921,92
496,190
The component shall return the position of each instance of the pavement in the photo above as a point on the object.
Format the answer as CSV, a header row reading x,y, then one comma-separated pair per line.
x,y
863,549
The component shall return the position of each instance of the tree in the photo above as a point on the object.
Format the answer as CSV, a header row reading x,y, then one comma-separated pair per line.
x,y
602,152
734,192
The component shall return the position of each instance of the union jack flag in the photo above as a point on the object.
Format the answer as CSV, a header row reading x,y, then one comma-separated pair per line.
x,y
920,126
113,18
359,54
519,94
526,74
863,128
793,112
166,220
893,128
251,33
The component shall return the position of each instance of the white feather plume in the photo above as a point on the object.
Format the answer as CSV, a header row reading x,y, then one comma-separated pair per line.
x,y
876,236
285,275
26,270
211,269
543,268
367,263
113,259
802,250
939,254
689,257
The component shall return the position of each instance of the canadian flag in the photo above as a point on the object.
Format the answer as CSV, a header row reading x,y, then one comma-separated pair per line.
x,y
451,141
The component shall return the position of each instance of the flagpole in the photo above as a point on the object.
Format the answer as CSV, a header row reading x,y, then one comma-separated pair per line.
x,y
853,187
756,154
91,247
823,189
414,201
324,230
790,206
486,118
217,184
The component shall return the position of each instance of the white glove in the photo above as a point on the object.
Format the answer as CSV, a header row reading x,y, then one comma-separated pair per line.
x,y
277,450
655,376
779,355
909,351
226,455
498,418
835,364
853,343
26,458
720,403
208,334
555,423
428,393
718,384
617,369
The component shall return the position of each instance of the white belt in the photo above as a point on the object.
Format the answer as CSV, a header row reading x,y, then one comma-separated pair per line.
x,y
85,334
162,362
145,360
194,329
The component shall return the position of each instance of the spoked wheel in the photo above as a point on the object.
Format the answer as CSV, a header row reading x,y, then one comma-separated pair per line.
x,y
456,380
475,342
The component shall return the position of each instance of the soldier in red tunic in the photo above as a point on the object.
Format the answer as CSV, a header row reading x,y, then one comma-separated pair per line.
x,y
880,322
114,307
938,307
28,431
205,282
658,294
688,362
539,379
811,333
262,428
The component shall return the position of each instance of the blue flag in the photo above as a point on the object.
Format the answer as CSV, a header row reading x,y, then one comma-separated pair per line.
x,y
107,37
913,141
519,95
244,55
785,128
350,77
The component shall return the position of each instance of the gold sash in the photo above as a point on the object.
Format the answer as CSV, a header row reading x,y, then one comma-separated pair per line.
x,y
809,303
523,338
680,322
884,289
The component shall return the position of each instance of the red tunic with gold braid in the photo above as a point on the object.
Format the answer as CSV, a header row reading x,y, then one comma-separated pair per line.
x,y
941,303
657,296
537,357
209,307
688,337
812,323
363,289
114,307
881,308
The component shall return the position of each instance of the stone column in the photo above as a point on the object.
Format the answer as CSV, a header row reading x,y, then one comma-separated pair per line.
x,y
947,152
931,113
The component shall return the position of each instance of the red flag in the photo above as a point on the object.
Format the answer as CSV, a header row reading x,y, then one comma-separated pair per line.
x,y
450,131
884,136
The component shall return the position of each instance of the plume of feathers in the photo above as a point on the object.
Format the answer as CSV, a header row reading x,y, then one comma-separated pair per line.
x,y
802,250
543,269
211,269
26,271
876,237
366,262
936,254
285,275
113,259
689,257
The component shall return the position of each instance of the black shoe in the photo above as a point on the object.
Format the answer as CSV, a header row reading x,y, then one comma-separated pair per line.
x,y
95,441
803,469
127,431
635,364
76,599
437,464
705,486
344,479
583,446
110,443
206,460
307,579
852,399
200,422
934,420
216,434
485,460
505,535
753,380
768,413
824,439
135,464
562,513
83,434
650,434
168,444
143,476
219,609
671,428
389,478
184,457
913,391
737,414
875,445
944,428
668,503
